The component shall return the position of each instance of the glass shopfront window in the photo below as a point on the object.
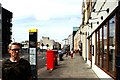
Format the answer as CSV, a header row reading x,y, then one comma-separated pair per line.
x,y
111,44
101,47
97,52
105,46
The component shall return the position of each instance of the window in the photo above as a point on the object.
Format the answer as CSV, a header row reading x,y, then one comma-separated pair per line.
x,y
111,45
101,47
97,50
105,46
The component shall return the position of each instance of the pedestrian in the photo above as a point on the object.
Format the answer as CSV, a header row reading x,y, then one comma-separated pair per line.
x,y
15,68
72,53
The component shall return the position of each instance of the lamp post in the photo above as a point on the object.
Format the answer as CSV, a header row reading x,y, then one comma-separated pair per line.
x,y
65,40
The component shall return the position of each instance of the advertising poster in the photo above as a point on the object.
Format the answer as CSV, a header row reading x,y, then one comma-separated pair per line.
x,y
33,56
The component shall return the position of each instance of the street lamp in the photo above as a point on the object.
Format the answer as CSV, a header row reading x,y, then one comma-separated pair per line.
x,y
65,40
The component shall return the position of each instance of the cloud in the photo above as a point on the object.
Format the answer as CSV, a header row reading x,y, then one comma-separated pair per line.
x,y
41,9
52,18
56,28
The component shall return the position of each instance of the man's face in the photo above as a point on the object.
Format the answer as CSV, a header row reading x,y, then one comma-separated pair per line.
x,y
14,51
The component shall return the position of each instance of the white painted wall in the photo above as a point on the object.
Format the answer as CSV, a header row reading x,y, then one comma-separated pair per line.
x,y
100,73
111,4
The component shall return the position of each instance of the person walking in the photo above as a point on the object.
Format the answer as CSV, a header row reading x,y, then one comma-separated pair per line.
x,y
72,53
15,68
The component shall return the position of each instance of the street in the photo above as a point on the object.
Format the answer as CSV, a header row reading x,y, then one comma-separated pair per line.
x,y
41,59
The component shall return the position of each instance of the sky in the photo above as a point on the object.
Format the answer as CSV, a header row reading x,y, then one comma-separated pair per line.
x,y
53,18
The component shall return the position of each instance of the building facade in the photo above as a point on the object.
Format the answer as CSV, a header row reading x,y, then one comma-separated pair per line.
x,y
5,29
76,40
49,43
75,29
70,41
101,22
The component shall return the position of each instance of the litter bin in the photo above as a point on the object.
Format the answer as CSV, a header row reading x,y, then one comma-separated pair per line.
x,y
50,60
56,56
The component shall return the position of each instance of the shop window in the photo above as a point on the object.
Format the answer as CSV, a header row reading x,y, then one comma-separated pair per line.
x,y
105,46
97,51
111,45
101,47
107,43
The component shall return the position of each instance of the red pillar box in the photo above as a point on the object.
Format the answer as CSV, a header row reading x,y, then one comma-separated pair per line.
x,y
50,60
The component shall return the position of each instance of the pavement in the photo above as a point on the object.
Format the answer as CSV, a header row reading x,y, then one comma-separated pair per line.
x,y
71,69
